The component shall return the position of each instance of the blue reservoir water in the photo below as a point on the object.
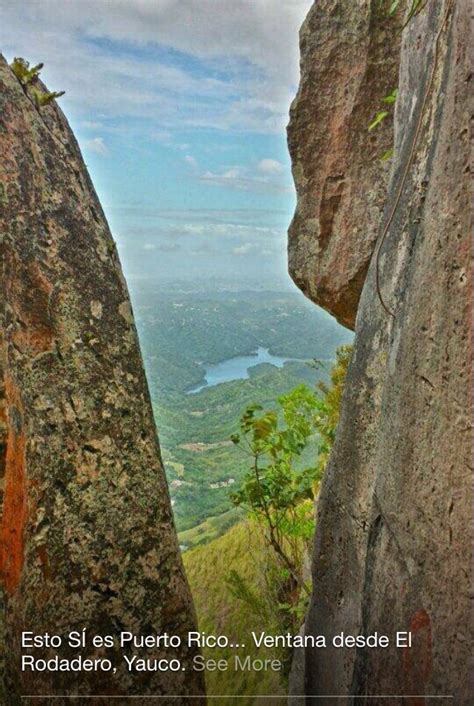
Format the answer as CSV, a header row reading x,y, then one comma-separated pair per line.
x,y
238,368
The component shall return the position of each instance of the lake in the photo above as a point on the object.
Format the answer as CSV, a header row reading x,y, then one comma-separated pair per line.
x,y
238,368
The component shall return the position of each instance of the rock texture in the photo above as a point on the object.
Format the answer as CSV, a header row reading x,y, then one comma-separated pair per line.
x,y
392,550
87,535
350,54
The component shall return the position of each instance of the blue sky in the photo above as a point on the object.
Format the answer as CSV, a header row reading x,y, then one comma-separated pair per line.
x,y
180,109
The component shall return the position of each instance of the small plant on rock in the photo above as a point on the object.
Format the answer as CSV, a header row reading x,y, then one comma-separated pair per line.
x,y
380,116
23,72
27,76
415,8
42,98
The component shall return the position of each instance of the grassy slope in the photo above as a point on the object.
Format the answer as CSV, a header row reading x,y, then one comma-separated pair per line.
x,y
241,548
210,529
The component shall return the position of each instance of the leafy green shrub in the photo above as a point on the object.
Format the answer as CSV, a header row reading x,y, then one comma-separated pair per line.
x,y
273,490
277,492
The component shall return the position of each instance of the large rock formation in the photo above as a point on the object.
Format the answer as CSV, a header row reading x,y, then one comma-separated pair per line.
x,y
349,62
392,550
87,535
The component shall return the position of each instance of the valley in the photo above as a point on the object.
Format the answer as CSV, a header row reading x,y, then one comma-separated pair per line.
x,y
229,349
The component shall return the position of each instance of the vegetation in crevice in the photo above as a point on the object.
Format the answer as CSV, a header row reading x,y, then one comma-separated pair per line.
x,y
379,117
28,76
415,8
24,73
278,491
255,576
42,98
389,100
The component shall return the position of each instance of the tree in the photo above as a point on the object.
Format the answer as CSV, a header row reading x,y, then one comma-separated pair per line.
x,y
279,489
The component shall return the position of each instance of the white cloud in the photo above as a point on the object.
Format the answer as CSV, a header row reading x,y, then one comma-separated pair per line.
x,y
270,166
239,179
221,217
232,173
191,161
244,249
91,124
164,136
242,76
97,145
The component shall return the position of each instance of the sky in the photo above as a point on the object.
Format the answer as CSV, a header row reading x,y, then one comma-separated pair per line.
x,y
180,108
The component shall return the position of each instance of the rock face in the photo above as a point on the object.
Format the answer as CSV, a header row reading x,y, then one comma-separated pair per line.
x,y
87,535
350,54
392,550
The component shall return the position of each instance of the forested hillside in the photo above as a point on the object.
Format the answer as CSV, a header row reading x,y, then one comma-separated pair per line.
x,y
181,333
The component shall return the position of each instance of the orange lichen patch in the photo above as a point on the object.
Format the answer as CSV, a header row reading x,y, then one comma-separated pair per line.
x,y
15,501
418,659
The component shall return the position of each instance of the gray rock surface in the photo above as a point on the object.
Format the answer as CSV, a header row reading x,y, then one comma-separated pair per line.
x,y
87,534
296,679
393,542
